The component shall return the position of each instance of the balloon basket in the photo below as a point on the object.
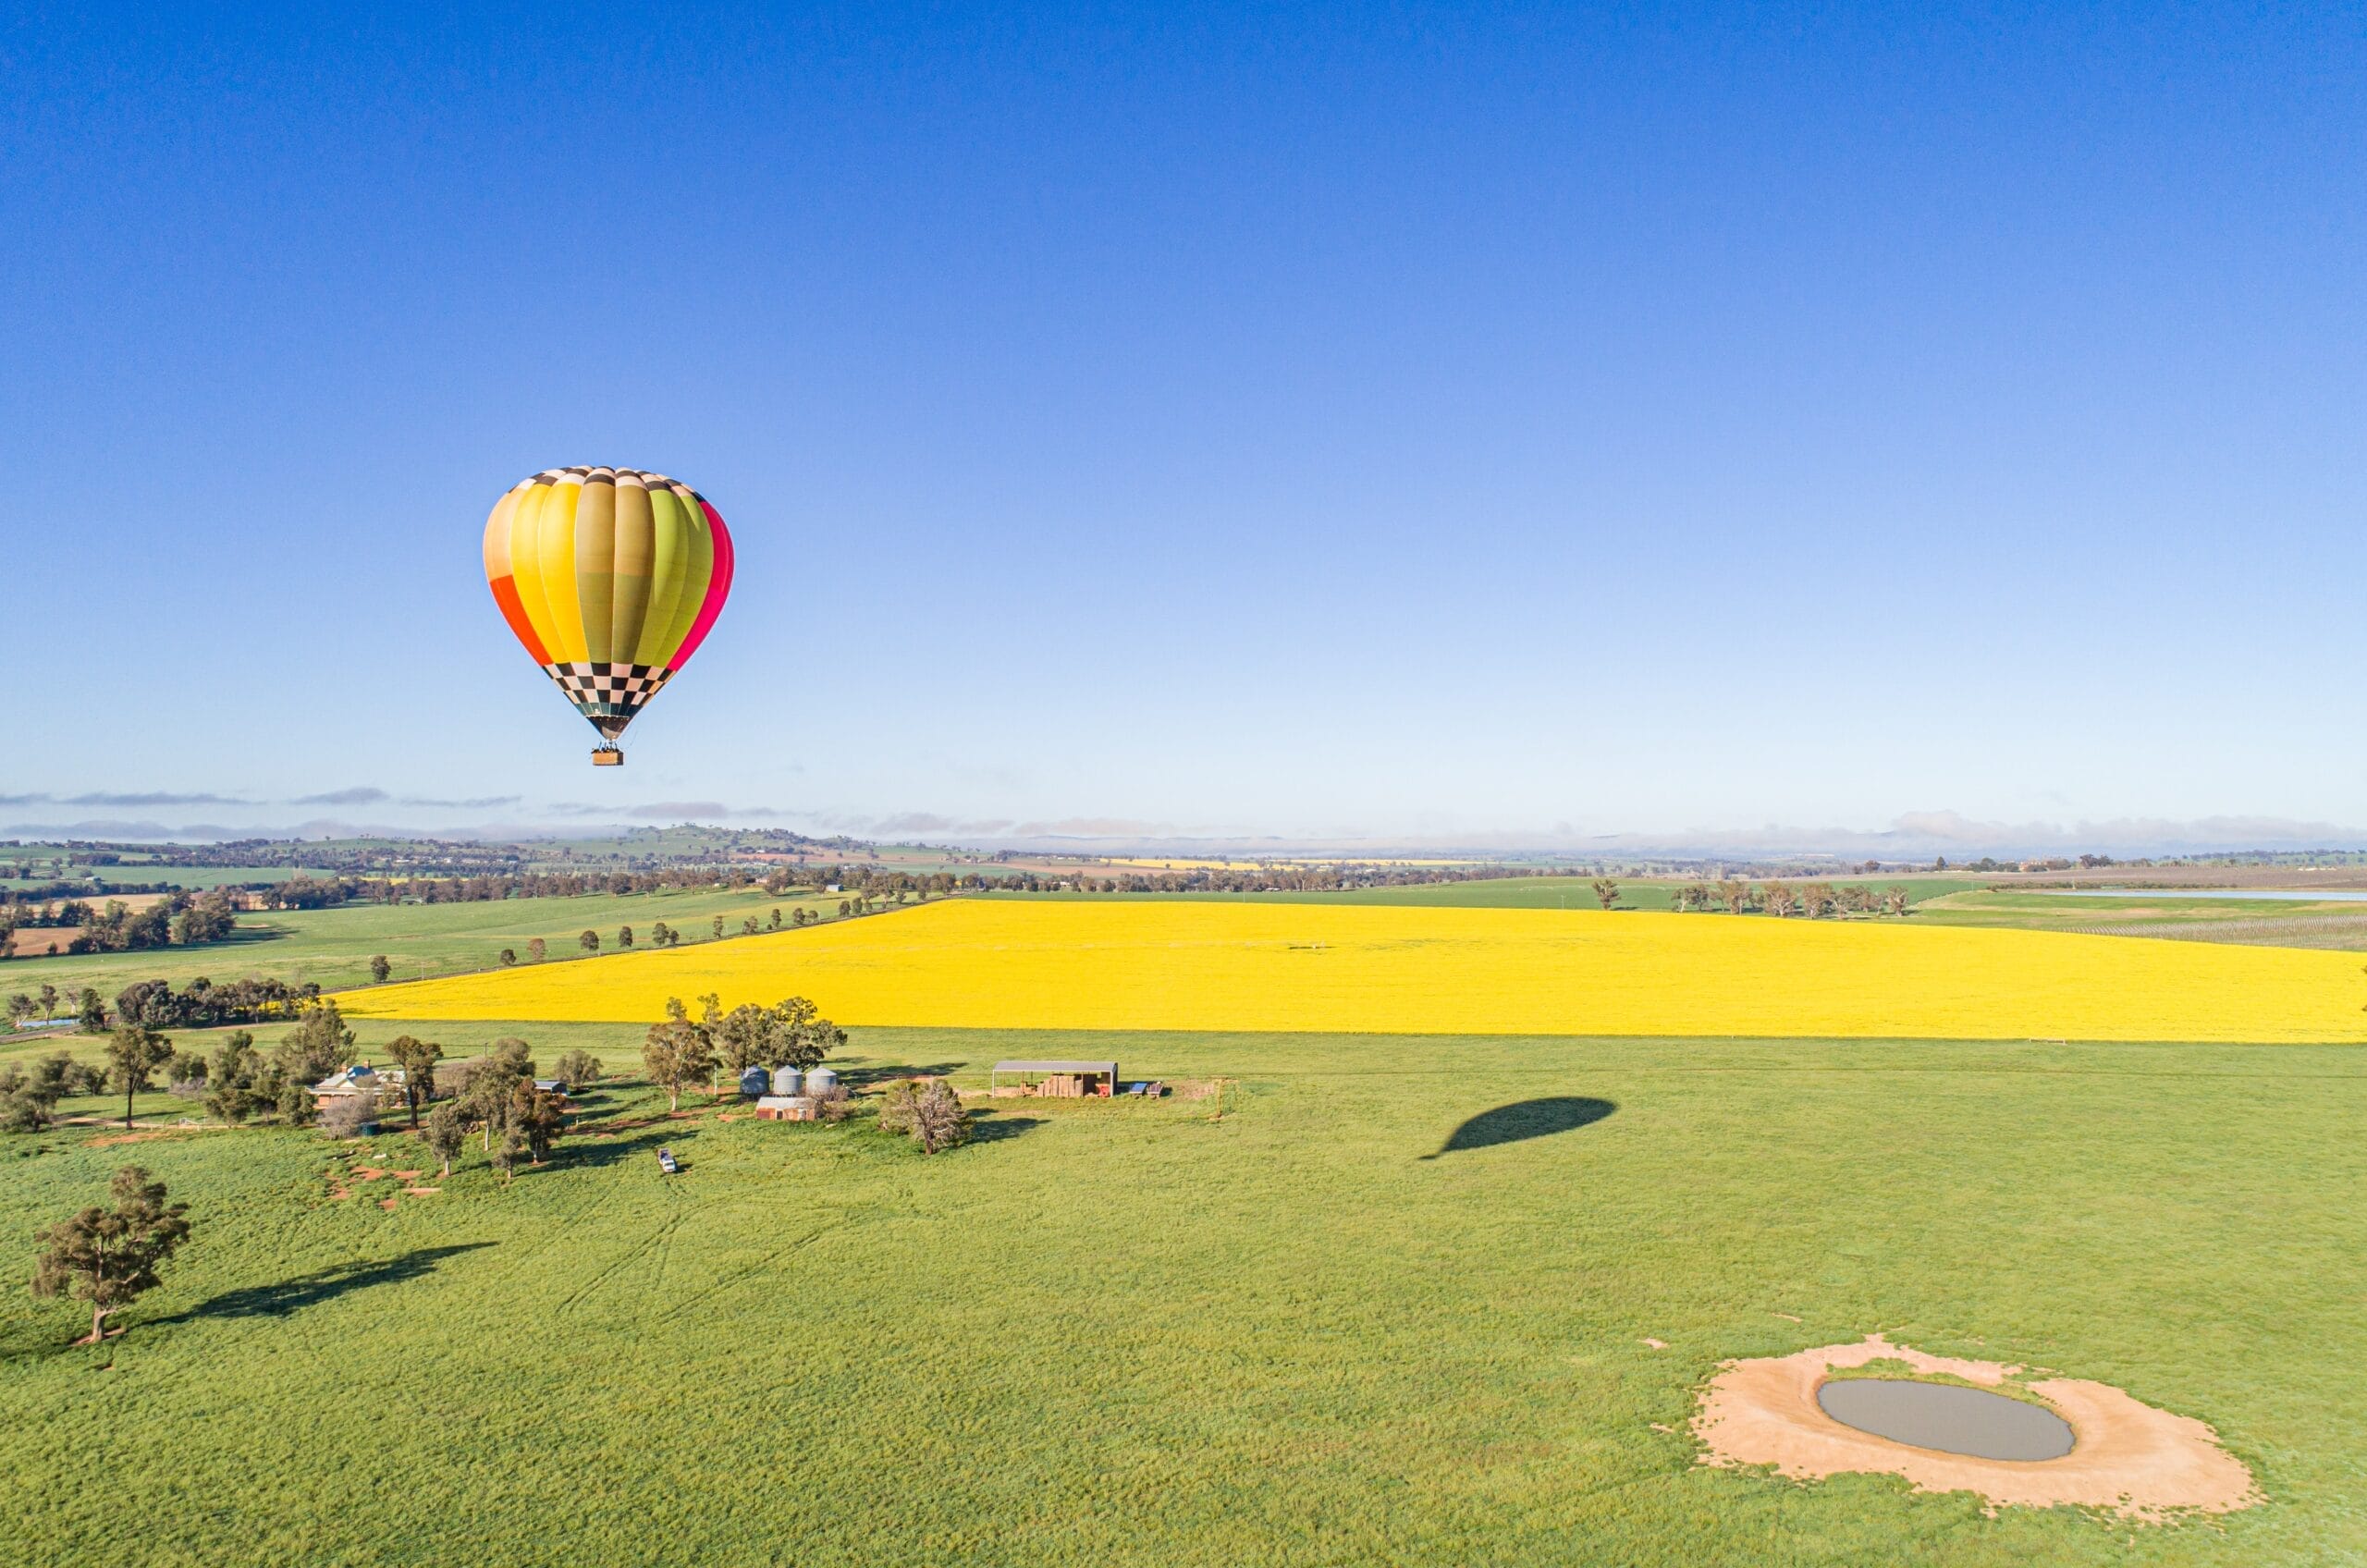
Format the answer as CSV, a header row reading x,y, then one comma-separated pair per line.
x,y
607,756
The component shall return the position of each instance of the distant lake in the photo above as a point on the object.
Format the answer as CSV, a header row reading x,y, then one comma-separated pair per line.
x,y
2329,895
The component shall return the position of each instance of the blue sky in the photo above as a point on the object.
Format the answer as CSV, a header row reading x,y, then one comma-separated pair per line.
x,y
1396,421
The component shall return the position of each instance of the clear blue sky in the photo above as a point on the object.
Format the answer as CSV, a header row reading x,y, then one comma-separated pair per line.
x,y
1399,420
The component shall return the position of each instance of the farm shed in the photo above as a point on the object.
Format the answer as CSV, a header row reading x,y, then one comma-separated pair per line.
x,y
1059,1080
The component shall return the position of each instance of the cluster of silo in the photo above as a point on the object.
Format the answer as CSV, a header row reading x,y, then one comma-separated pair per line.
x,y
788,1095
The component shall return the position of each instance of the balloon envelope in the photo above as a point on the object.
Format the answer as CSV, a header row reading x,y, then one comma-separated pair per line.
x,y
611,577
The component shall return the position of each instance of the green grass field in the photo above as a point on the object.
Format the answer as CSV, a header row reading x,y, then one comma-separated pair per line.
x,y
1125,1333
335,946
1122,1333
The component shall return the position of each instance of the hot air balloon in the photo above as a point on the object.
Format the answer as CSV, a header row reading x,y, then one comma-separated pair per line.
x,y
611,577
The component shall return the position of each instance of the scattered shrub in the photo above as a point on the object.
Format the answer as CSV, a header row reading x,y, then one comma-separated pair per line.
x,y
928,1111
577,1068
350,1116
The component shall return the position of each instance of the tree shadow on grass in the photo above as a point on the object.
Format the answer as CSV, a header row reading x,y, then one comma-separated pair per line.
x,y
1525,1118
290,1297
889,1072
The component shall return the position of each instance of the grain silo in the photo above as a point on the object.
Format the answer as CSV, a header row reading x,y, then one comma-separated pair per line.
x,y
821,1081
754,1081
788,1080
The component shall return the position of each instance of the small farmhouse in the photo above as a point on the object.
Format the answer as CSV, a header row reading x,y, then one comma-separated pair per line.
x,y
349,1081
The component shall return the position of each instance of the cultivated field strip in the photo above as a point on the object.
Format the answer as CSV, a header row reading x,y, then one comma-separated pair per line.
x,y
1158,965
2346,932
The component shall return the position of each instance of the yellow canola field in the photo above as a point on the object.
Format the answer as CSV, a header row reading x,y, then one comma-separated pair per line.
x,y
996,963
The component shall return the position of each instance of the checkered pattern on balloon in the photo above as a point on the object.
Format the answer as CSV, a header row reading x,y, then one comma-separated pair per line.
x,y
609,694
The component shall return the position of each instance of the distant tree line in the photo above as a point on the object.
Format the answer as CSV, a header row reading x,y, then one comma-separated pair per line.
x,y
203,1005
237,1083
178,919
1268,879
403,857
571,885
1814,901
88,1009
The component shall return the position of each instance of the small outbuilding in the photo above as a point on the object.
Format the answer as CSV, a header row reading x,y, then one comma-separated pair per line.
x,y
1057,1080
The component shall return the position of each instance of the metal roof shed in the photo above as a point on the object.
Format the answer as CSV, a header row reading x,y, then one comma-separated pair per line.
x,y
1055,1077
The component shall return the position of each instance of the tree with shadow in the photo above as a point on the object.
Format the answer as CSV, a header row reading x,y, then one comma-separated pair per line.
x,y
928,1110
109,1256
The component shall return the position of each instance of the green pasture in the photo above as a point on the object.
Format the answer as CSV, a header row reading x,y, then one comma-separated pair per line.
x,y
335,946
1315,1331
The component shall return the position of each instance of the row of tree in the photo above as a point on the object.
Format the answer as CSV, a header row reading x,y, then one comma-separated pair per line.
x,y
664,935
134,1054
1816,901
178,919
89,1010
202,1004
24,1005
1259,879
494,888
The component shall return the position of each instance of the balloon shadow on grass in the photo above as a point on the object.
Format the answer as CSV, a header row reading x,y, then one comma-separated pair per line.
x,y
994,1126
287,1297
1524,1120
